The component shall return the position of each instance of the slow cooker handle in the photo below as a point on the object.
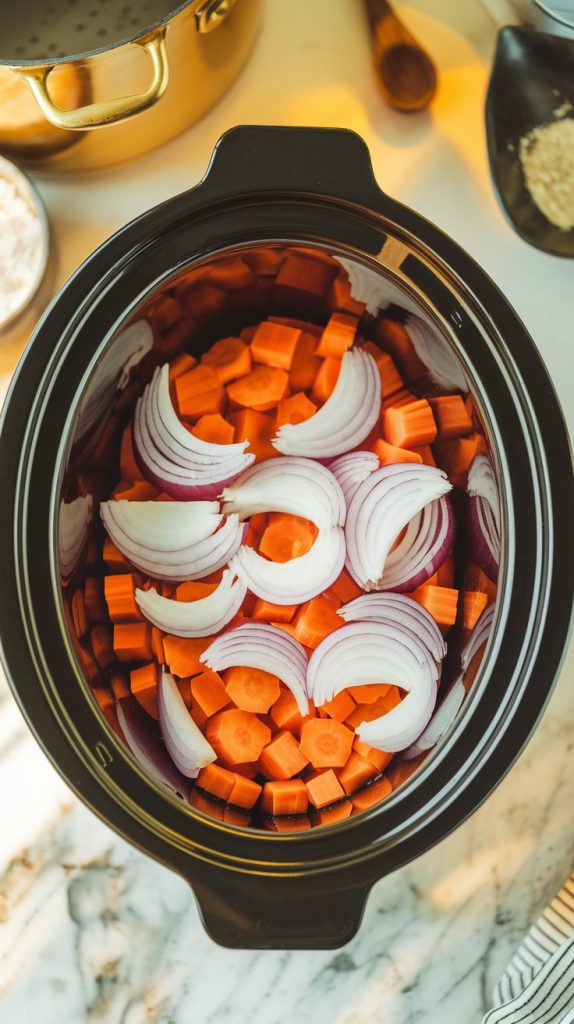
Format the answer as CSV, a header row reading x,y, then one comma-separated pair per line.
x,y
329,161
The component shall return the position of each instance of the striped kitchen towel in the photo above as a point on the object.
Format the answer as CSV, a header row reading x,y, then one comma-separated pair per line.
x,y
538,984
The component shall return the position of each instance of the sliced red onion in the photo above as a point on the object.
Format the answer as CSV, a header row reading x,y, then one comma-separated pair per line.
x,y
478,637
174,459
184,740
73,525
143,739
299,579
112,372
440,722
345,419
427,541
399,610
351,469
484,515
194,618
264,647
367,652
172,540
380,508
369,286
297,486
444,367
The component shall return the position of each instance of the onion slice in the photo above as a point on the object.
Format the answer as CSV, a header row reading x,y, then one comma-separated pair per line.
x,y
440,722
300,578
443,366
345,419
478,637
73,526
427,541
144,741
297,486
380,508
184,740
484,515
194,618
366,652
351,469
399,610
264,647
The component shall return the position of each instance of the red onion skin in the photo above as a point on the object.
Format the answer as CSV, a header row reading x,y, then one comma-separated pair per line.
x,y
477,544
147,732
435,563
181,492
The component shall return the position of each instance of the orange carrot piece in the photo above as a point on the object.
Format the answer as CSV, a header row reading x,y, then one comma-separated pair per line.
x,y
402,397
287,537
157,645
305,274
440,602
287,796
231,273
474,579
445,574
184,687
302,325
326,743
245,792
409,426
324,788
389,453
120,596
368,693
257,428
216,780
214,428
237,736
249,770
391,380
305,364
229,358
344,588
101,641
316,619
104,698
78,610
208,692
262,389
473,604
251,689
283,757
342,299
394,339
180,365
371,795
326,379
182,655
340,707
456,456
204,301
94,601
368,712
338,812
295,409
451,417
235,816
206,804
285,712
356,772
199,392
378,758
164,313
114,560
138,491
194,590
264,611
426,454
338,335
143,685
265,261
275,344
287,627
132,641
129,468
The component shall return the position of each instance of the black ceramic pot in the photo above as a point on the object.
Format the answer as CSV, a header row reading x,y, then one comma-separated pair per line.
x,y
315,188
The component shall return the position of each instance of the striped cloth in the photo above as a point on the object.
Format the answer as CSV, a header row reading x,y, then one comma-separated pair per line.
x,y
538,984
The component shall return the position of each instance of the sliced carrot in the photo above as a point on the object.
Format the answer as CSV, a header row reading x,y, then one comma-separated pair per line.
x,y
262,389
286,715
251,689
305,275
324,788
180,365
78,610
246,333
445,574
283,757
327,376
194,590
368,693
440,602
248,771
326,743
338,812
338,335
199,392
129,468
426,454
473,604
264,261
287,537
182,655
232,274
391,380
340,707
474,579
104,698
394,338
94,601
402,397
409,426
234,816
208,691
341,297
257,428
451,417
138,491
390,454
184,687
197,712
356,772
164,313
216,780
179,337
400,770
143,685
164,497
316,619
214,428
371,795
344,588
379,758
264,611
132,641
295,409
275,344
92,670
157,645
456,456
120,596
237,736
302,325
305,365
204,301
229,358
206,804
368,712
114,559
101,641
287,796
287,627
245,792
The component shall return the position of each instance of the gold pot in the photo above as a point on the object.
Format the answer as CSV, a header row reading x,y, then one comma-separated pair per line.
x,y
89,83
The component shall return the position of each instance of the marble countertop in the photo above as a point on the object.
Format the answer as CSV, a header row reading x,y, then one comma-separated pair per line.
x,y
90,929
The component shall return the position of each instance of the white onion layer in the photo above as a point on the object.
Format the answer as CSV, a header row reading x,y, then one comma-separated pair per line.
x,y
299,579
185,742
202,617
73,525
297,486
351,469
400,610
443,366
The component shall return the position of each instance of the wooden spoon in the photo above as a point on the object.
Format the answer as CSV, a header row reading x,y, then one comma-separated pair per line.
x,y
405,72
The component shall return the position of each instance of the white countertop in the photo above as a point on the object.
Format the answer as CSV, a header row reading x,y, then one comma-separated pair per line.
x,y
80,937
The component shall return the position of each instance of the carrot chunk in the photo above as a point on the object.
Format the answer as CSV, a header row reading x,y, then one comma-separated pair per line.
x,y
338,812
138,491
275,344
287,796
394,338
283,757
287,537
164,313
402,397
262,389
114,560
409,426
199,392
473,604
295,409
326,743
132,641
356,772
451,417
341,297
94,601
371,795
441,602
344,588
184,687
391,380
180,365
194,590
214,428
305,364
129,468
306,275
78,610
338,335
340,707
474,579
182,655
206,804
251,689
245,793
389,454
368,693
143,684
104,698
120,688
216,780
101,641
326,378
324,788
120,595
368,712
229,358
456,456
209,693
257,428
237,736
204,301
445,574
232,274
378,758
265,261
425,452
316,619
264,611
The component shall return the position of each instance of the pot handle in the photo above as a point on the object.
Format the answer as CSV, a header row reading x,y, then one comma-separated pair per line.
x,y
104,112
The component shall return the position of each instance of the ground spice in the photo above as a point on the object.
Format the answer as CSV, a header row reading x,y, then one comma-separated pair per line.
x,y
547,158
21,248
